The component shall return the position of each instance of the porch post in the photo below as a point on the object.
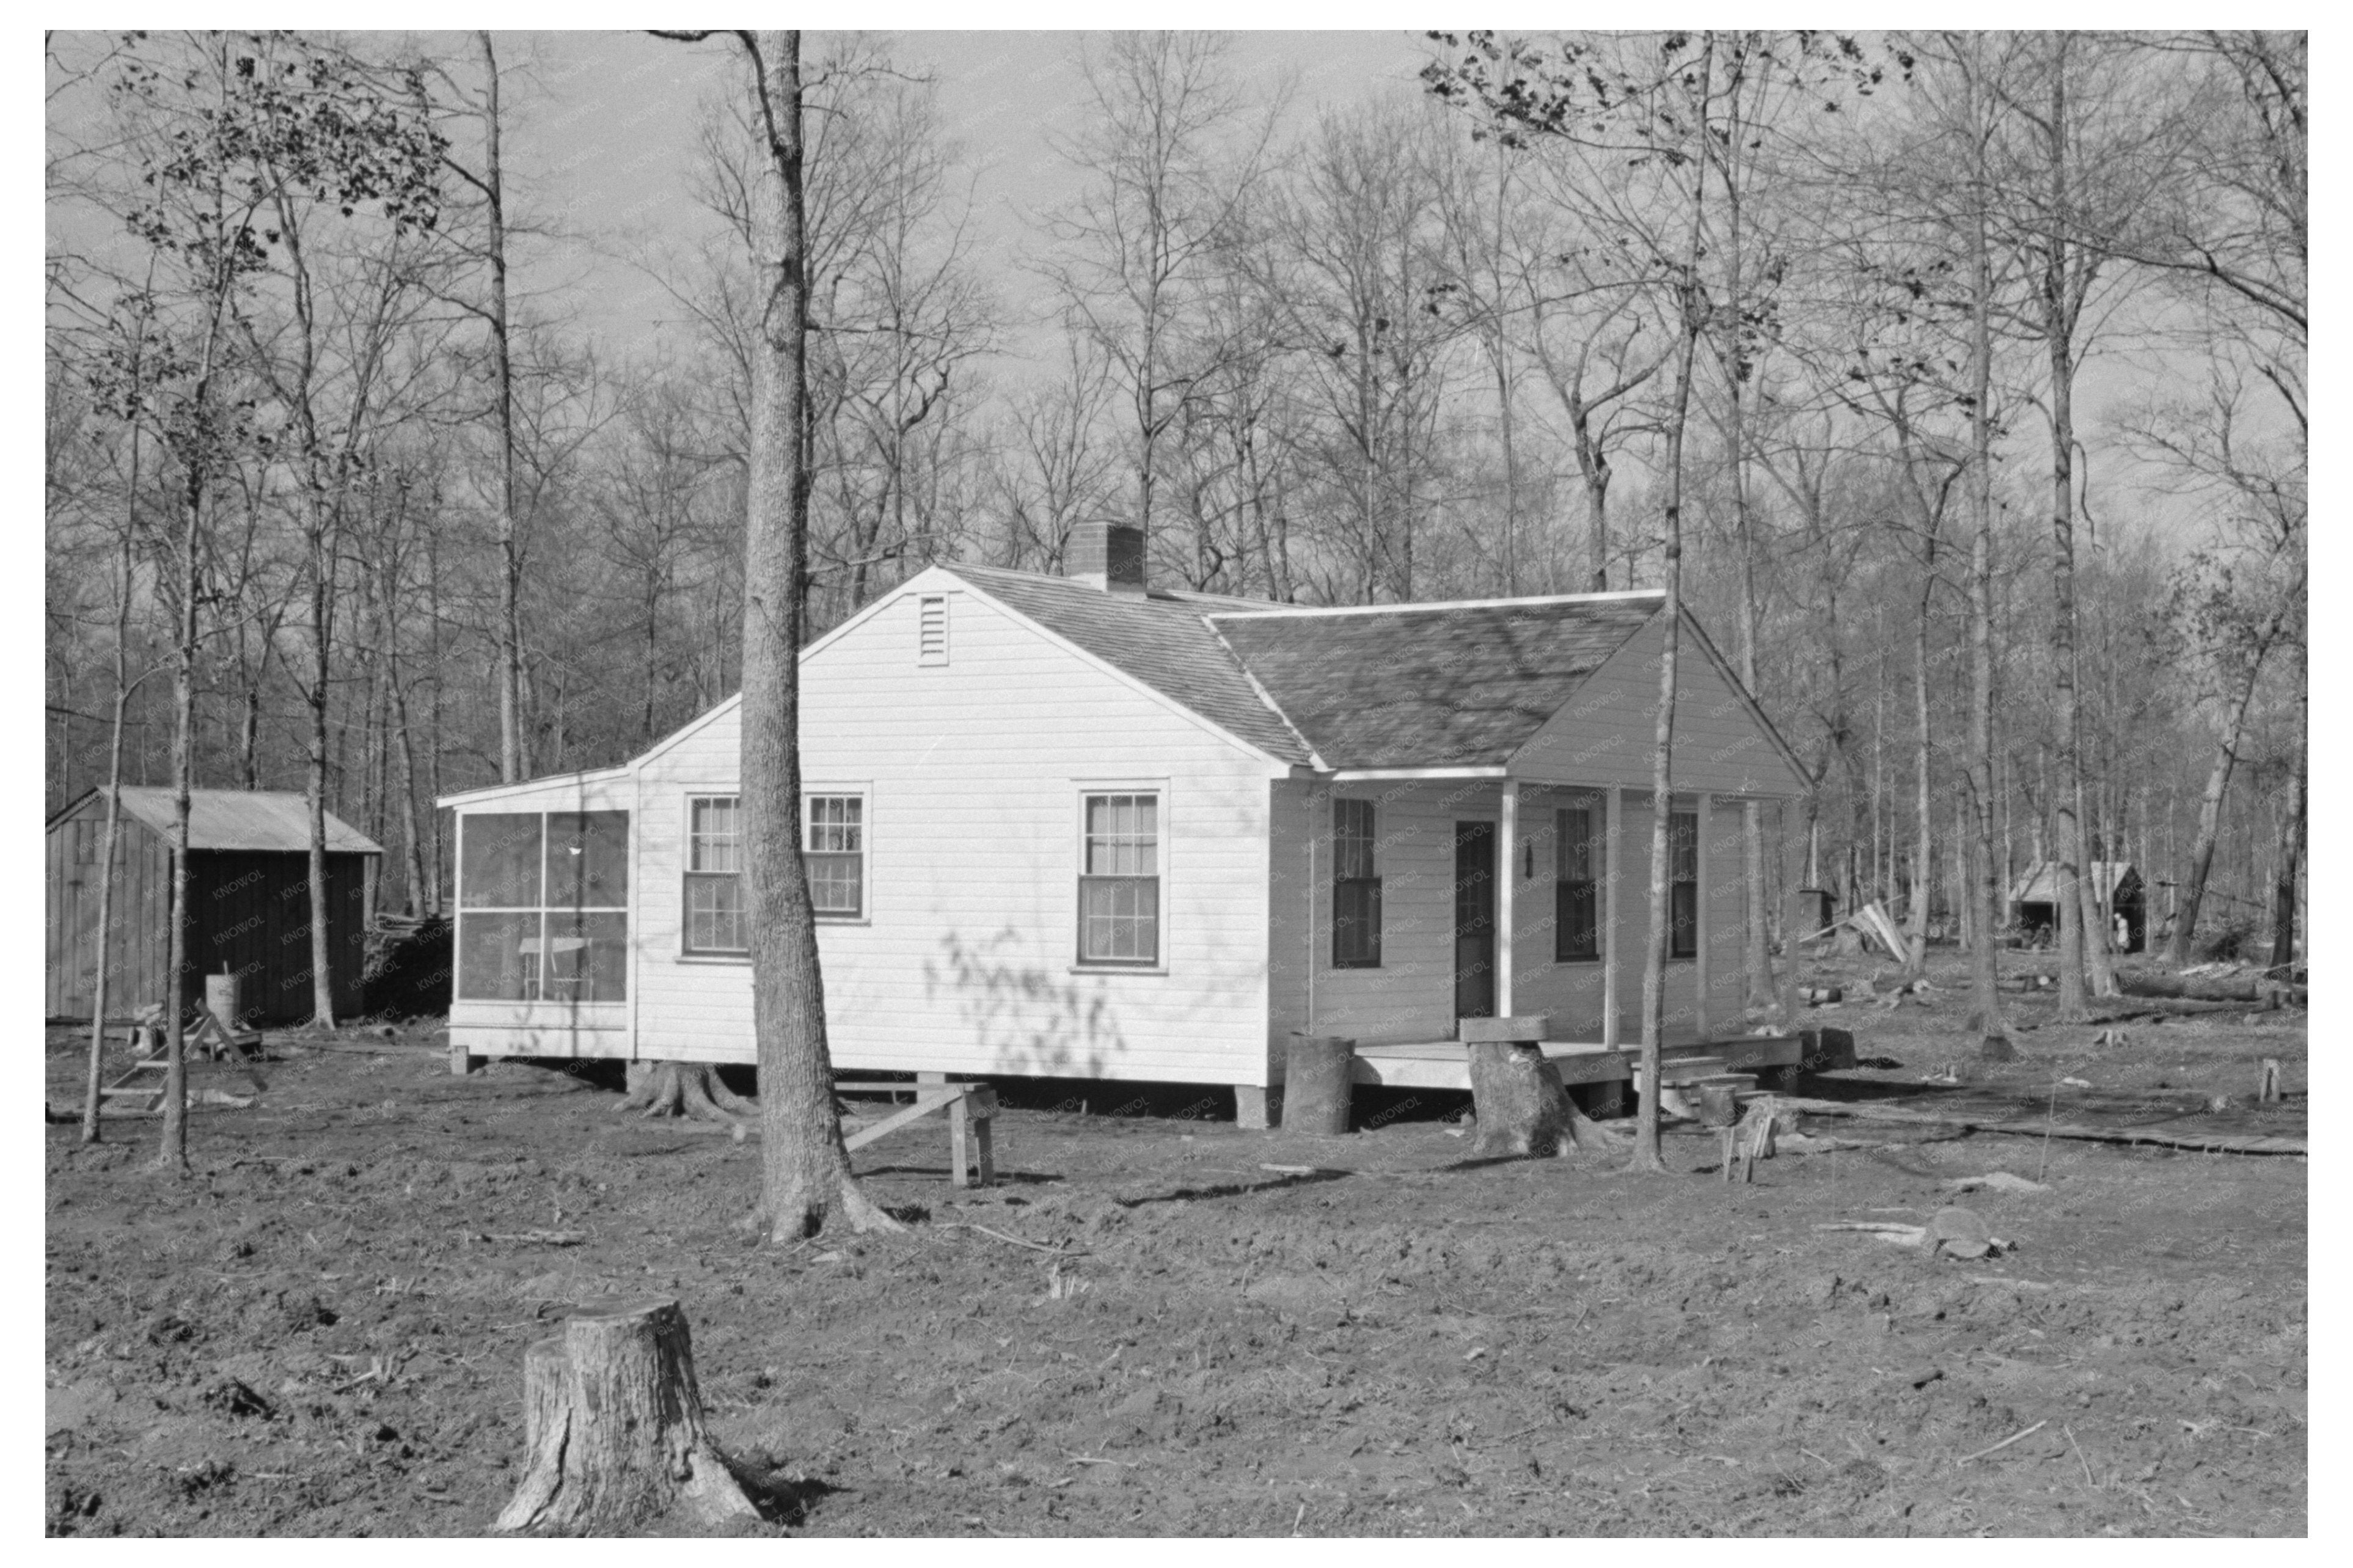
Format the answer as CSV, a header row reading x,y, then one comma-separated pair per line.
x,y
1507,883
1706,819
1610,918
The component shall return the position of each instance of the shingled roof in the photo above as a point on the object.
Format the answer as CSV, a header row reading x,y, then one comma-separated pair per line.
x,y
1430,685
1162,640
1389,686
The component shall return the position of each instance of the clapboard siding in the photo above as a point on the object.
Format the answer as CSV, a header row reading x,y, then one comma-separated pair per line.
x,y
964,961
1608,732
138,915
1411,997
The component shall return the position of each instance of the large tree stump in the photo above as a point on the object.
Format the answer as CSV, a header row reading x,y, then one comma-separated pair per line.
x,y
614,1424
684,1088
1522,1107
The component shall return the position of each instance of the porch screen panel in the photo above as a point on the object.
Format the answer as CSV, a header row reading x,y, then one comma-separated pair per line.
x,y
1119,882
500,867
498,955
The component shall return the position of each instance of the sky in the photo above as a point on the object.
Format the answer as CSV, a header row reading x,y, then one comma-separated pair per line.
x,y
603,138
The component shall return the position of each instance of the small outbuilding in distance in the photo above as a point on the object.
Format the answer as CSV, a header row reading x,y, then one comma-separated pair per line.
x,y
248,903
2034,909
1081,826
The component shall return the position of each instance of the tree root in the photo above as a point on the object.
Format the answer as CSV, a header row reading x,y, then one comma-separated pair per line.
x,y
686,1089
796,1219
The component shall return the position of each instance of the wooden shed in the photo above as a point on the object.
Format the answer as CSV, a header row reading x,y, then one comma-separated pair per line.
x,y
248,902
2033,908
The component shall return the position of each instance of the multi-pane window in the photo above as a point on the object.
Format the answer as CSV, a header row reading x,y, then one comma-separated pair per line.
x,y
1575,887
1682,863
715,875
833,847
1356,888
1119,879
543,906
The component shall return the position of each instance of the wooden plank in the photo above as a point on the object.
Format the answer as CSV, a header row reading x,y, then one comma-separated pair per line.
x,y
1610,923
2198,1142
925,1104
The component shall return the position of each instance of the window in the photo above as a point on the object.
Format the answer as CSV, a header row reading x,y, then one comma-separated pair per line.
x,y
715,875
1119,880
543,906
1356,890
932,629
833,847
1682,905
1575,887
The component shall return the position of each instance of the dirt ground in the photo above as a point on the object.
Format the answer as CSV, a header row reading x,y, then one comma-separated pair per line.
x,y
323,1331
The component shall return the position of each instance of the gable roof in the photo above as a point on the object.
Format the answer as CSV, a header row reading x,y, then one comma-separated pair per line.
x,y
1162,640
262,819
1430,685
2037,884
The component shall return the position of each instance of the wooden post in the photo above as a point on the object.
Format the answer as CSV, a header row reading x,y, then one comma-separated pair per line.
x,y
1706,819
2270,1089
614,1428
960,1143
461,1061
1793,921
1610,919
1507,883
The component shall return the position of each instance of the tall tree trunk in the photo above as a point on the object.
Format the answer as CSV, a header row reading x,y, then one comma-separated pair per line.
x,y
2059,343
1646,1153
511,761
125,567
172,1154
1984,994
805,1169
2291,851
2230,735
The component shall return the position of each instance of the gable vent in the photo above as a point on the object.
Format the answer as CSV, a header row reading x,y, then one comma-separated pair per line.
x,y
932,629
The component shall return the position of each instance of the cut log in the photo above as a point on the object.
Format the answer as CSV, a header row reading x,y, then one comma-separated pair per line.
x,y
1316,1084
2211,988
684,1088
613,1422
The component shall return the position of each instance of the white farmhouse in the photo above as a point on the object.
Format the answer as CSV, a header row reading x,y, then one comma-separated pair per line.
x,y
1077,827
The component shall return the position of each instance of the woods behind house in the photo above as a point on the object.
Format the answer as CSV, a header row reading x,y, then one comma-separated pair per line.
x,y
337,466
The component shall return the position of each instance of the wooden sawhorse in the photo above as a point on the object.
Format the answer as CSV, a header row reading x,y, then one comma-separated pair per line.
x,y
971,1107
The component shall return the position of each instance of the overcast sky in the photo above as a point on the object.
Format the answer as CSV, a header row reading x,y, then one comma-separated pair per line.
x,y
603,137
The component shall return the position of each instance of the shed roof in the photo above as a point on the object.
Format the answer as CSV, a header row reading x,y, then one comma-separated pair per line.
x,y
2037,884
242,819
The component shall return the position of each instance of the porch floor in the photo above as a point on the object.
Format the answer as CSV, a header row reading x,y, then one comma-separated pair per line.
x,y
1442,1063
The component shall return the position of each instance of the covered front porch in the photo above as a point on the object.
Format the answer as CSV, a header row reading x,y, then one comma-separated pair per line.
x,y
1443,894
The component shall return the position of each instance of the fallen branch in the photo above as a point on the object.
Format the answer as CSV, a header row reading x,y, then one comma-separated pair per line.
x,y
2200,1142
1061,1250
2005,1443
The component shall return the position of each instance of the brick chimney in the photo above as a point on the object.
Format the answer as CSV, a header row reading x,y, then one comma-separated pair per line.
x,y
1108,557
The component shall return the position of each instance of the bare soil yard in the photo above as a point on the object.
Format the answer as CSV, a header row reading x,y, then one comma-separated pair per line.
x,y
323,1331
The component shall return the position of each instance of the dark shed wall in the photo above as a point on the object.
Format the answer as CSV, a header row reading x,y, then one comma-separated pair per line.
x,y
251,913
143,891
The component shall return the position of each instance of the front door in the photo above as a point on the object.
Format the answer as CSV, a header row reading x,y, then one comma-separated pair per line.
x,y
1474,919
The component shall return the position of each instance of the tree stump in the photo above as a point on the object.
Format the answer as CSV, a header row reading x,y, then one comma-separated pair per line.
x,y
613,1421
1523,1110
684,1088
1316,1084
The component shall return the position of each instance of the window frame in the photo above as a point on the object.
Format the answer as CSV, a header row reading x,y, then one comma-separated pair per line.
x,y
1596,857
1683,892
863,795
546,913
689,876
1083,790
1369,955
